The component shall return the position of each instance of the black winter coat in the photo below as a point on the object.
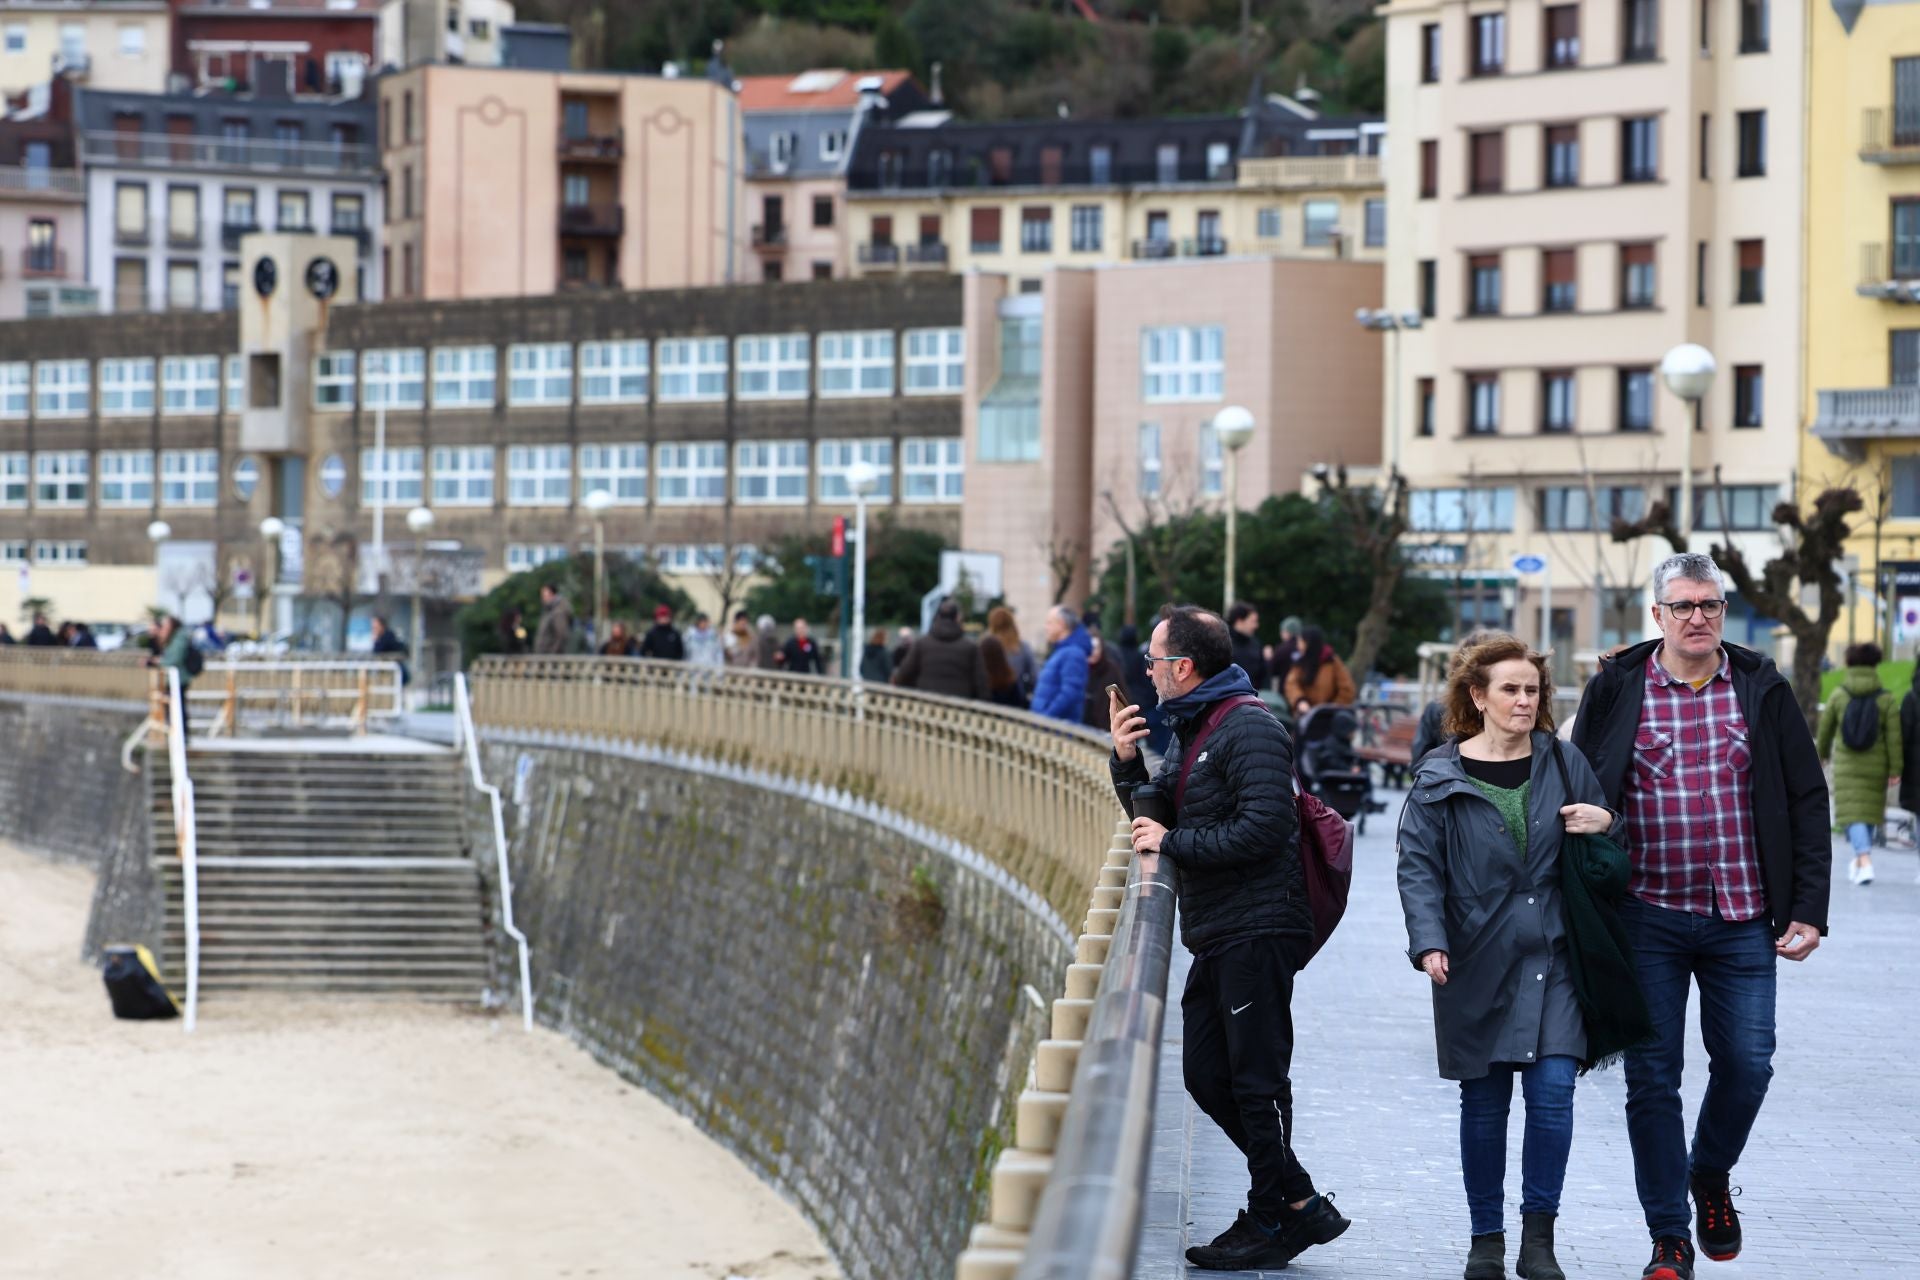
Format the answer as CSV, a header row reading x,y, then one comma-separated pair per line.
x,y
1251,658
1237,842
1910,745
662,641
945,660
1786,786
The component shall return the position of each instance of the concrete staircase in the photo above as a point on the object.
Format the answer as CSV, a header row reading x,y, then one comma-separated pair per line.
x,y
325,869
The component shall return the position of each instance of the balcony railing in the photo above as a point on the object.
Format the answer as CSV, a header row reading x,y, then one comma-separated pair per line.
x,y
769,237
1155,247
132,237
1890,271
973,172
1307,172
607,219
1891,135
30,180
880,255
1847,420
604,147
230,233
931,253
37,262
1203,247
175,151
183,237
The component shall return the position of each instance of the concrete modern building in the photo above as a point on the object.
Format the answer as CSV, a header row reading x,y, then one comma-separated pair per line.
x,y
175,180
463,32
1574,189
282,47
926,193
801,135
1090,400
105,44
42,211
509,182
1862,394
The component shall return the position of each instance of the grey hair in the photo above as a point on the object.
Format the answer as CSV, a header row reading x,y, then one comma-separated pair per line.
x,y
1066,615
1690,565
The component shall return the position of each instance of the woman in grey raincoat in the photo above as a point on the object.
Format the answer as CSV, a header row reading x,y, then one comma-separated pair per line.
x,y
1480,885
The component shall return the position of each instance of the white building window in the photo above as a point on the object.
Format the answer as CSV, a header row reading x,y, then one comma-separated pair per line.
x,y
936,361
67,552
1149,459
1182,363
769,471
126,478
772,367
190,384
60,479
396,379
1212,463
614,372
693,369
463,377
13,480
14,384
13,551
856,364
539,373
690,473
392,479
833,145
189,477
1267,223
539,475
236,383
932,471
133,41
60,389
126,388
463,476
333,380
837,456
522,556
619,469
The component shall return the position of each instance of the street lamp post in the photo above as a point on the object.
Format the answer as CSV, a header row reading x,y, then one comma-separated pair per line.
x,y
1688,371
863,478
158,532
596,504
419,520
270,530
1233,427
1387,322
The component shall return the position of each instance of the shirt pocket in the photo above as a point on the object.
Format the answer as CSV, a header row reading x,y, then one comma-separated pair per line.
x,y
1739,750
1653,755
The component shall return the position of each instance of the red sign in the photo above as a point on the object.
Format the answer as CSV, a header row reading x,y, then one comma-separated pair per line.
x,y
839,535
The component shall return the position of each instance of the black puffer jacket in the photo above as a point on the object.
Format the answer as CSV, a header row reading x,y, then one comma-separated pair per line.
x,y
1237,841
945,660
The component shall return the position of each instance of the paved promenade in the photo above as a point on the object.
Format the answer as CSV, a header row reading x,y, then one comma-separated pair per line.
x,y
1828,1175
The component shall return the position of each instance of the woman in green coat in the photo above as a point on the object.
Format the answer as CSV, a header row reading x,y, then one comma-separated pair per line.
x,y
1867,754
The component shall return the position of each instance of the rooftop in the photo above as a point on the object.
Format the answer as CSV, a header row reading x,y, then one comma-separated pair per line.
x,y
820,90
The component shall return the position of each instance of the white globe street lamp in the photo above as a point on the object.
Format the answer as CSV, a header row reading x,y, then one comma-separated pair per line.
x,y
596,504
1688,371
863,478
1232,427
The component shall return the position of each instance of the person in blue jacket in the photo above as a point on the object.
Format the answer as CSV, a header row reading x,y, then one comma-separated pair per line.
x,y
1061,691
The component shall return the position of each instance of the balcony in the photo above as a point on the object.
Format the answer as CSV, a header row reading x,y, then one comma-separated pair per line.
x,y
1203,247
974,172
183,237
932,253
1848,421
1890,136
132,237
879,255
38,262
770,237
38,182
1154,248
230,233
362,236
607,219
1898,282
182,152
593,148
1303,173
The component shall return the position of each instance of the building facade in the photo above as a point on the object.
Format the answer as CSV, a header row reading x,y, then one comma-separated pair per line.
x,y
512,182
42,214
1551,259
464,32
284,47
122,45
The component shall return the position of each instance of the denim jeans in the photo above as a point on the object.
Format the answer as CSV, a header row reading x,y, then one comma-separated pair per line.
x,y
1733,964
1484,1104
1860,836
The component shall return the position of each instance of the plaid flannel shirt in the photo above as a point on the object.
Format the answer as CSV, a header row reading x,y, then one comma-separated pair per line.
x,y
1689,819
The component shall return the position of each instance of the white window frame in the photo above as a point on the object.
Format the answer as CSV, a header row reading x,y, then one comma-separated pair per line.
x,y
778,468
1183,364
126,387
16,389
701,466
539,373
833,145
16,481
236,384
1213,463
397,478
936,362
692,369
189,477
772,366
1269,222
65,470
619,469
539,475
61,388
1152,479
462,475
190,385
522,556
941,459
834,458
126,479
464,377
333,385
48,553
616,372
856,363
395,377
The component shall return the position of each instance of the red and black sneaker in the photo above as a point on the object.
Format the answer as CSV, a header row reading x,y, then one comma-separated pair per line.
x,y
1716,1223
1672,1260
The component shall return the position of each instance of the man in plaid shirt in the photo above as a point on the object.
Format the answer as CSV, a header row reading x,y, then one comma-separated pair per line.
x,y
1703,747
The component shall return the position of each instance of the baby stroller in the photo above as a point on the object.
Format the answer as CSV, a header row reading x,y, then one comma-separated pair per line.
x,y
1330,768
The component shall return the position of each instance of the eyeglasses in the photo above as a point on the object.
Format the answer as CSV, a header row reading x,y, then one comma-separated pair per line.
x,y
1683,609
1172,657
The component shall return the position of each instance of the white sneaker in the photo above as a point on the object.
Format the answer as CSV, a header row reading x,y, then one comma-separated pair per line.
x,y
1863,875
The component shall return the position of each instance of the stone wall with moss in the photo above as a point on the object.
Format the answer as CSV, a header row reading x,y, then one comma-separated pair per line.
x,y
850,1006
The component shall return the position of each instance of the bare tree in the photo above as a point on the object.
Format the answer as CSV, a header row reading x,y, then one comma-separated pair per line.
x,y
1064,558
1170,524
331,571
1376,521
738,563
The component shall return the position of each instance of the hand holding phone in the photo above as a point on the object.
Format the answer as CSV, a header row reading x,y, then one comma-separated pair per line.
x,y
1127,724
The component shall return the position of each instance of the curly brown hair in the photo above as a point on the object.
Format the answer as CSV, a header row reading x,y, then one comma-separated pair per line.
x,y
1472,669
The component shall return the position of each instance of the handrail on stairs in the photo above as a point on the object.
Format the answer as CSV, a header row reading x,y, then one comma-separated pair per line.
x,y
185,836
465,739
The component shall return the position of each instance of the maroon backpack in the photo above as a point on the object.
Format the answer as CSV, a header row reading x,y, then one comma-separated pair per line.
x,y
1326,838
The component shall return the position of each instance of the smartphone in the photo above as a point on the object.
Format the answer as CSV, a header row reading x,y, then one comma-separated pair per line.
x,y
1113,692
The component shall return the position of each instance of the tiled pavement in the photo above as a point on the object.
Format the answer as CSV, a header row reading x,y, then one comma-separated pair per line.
x,y
1829,1176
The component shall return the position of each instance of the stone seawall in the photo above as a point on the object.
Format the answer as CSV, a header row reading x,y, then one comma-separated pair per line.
x,y
848,1005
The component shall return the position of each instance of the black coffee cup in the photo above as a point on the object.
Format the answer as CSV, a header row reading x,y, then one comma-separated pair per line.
x,y
1150,801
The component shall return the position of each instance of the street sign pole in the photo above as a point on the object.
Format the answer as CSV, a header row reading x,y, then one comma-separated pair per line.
x,y
1526,566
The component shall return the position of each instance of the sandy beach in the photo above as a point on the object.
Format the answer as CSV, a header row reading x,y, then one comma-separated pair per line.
x,y
320,1139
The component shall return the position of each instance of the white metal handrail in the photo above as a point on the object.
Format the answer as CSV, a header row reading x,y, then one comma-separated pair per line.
x,y
465,739
186,836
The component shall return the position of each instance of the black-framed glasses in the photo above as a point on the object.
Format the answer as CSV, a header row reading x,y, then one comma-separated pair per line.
x,y
1683,609
1172,657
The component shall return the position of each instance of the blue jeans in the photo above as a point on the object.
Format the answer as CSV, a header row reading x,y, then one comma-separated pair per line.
x,y
1860,836
1484,1104
1734,967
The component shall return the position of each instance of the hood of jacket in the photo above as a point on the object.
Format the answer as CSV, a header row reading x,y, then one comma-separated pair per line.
x,y
1745,662
1861,682
1192,704
946,629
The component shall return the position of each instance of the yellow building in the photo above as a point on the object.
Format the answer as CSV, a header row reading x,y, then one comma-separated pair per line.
x,y
123,46
1863,299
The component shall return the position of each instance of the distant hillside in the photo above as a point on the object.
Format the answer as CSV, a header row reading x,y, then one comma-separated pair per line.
x,y
1009,58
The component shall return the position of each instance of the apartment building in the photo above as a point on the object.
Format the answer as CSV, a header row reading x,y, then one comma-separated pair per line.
x,y
465,32
42,212
1862,390
174,181
111,44
285,47
1020,197
512,182
1573,190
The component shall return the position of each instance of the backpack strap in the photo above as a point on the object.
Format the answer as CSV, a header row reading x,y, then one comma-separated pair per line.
x,y
1208,723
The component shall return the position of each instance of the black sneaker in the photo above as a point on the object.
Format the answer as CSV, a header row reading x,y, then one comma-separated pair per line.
x,y
1672,1260
1220,1239
1244,1246
1316,1222
1716,1222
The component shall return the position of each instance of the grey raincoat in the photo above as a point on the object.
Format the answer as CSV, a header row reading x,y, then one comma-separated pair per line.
x,y
1509,996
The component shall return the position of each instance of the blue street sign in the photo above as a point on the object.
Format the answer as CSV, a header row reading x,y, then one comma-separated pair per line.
x,y
1529,564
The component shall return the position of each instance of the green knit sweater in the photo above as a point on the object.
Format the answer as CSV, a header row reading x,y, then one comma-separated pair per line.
x,y
1512,804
